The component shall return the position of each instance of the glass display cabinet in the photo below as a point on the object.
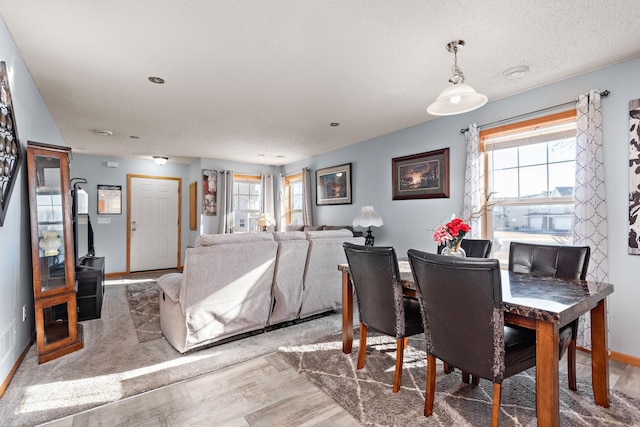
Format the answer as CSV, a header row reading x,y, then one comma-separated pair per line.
x,y
54,285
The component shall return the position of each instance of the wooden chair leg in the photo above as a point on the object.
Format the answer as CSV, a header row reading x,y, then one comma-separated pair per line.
x,y
475,380
401,343
571,365
431,385
465,377
495,411
447,368
362,351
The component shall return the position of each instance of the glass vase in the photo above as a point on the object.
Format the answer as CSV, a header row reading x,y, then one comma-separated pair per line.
x,y
456,251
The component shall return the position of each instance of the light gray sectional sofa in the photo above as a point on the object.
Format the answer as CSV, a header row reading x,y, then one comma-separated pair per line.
x,y
237,283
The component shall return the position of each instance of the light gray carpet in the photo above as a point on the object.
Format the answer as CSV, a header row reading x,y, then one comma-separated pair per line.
x,y
114,365
367,393
145,310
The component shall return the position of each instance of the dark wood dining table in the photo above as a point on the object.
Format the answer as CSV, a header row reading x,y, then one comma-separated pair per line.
x,y
544,304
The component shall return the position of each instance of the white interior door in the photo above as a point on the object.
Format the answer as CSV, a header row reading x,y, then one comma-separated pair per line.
x,y
153,226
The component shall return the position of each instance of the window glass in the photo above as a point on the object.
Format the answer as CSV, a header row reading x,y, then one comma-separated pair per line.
x,y
531,176
295,200
246,204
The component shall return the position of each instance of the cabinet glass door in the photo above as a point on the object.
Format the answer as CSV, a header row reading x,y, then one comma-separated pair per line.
x,y
50,223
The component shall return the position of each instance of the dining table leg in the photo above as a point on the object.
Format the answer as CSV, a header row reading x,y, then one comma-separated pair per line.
x,y
547,374
599,356
347,313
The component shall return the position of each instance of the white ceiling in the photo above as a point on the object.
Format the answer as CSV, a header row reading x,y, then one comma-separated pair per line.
x,y
253,80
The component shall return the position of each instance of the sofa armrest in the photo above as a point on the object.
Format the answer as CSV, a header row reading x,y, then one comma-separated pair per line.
x,y
170,284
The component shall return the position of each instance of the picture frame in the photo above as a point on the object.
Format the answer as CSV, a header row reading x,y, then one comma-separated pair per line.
x,y
634,177
421,176
109,200
209,192
333,185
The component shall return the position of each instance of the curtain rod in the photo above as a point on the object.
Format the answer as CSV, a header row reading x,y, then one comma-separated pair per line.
x,y
601,92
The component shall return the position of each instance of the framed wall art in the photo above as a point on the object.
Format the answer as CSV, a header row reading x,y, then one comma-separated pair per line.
x,y
10,150
109,200
634,176
333,185
421,176
209,192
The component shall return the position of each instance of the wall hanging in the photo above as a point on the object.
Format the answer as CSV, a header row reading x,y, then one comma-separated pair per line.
x,y
10,151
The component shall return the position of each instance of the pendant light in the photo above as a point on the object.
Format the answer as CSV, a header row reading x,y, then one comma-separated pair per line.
x,y
459,97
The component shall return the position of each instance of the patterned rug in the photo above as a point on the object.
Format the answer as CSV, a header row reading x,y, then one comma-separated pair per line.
x,y
144,309
367,393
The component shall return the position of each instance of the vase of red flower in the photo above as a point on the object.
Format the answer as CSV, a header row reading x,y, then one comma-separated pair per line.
x,y
450,236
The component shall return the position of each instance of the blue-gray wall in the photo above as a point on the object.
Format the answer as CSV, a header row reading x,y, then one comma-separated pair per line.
x,y
33,123
409,223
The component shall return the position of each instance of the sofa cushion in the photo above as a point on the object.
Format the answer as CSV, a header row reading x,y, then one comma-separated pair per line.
x,y
281,236
338,227
328,234
225,239
295,227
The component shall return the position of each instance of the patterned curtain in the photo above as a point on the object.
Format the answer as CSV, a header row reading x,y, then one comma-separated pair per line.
x,y
225,191
590,217
307,215
281,211
474,191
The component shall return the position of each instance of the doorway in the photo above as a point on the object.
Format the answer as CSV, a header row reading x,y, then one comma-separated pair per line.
x,y
153,219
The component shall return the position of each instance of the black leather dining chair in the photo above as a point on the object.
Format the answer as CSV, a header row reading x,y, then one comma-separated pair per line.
x,y
464,322
475,248
565,262
382,305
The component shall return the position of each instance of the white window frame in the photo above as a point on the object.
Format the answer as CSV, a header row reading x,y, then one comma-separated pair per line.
x,y
245,220
290,180
521,134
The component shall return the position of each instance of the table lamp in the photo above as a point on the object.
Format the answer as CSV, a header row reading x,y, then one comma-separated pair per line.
x,y
368,218
265,220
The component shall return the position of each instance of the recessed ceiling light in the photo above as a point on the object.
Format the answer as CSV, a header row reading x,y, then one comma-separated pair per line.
x,y
280,156
134,137
260,155
334,124
516,72
104,132
156,80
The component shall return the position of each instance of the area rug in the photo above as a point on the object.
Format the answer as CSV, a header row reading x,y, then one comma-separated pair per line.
x,y
114,365
367,393
145,310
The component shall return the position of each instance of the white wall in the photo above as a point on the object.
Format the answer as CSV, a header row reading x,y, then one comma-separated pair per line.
x,y
33,123
409,223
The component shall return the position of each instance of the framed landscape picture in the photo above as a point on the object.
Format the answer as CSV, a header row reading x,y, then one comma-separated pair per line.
x,y
333,185
421,176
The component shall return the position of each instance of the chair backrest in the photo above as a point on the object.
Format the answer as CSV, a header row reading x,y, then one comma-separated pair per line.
x,y
566,262
475,248
462,311
374,271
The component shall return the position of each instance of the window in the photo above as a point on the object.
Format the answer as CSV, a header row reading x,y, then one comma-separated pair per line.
x,y
246,203
531,176
294,199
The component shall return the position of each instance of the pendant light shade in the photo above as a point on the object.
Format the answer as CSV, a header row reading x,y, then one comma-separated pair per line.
x,y
459,97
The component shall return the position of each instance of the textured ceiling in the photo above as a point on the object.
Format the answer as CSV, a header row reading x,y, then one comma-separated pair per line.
x,y
260,81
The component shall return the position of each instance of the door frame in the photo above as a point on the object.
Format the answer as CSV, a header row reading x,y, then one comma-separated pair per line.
x,y
129,176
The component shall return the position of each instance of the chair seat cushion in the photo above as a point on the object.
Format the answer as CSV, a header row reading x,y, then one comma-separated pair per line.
x,y
412,317
520,349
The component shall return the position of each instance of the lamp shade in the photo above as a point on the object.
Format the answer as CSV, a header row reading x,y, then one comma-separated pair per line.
x,y
266,220
456,99
367,218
